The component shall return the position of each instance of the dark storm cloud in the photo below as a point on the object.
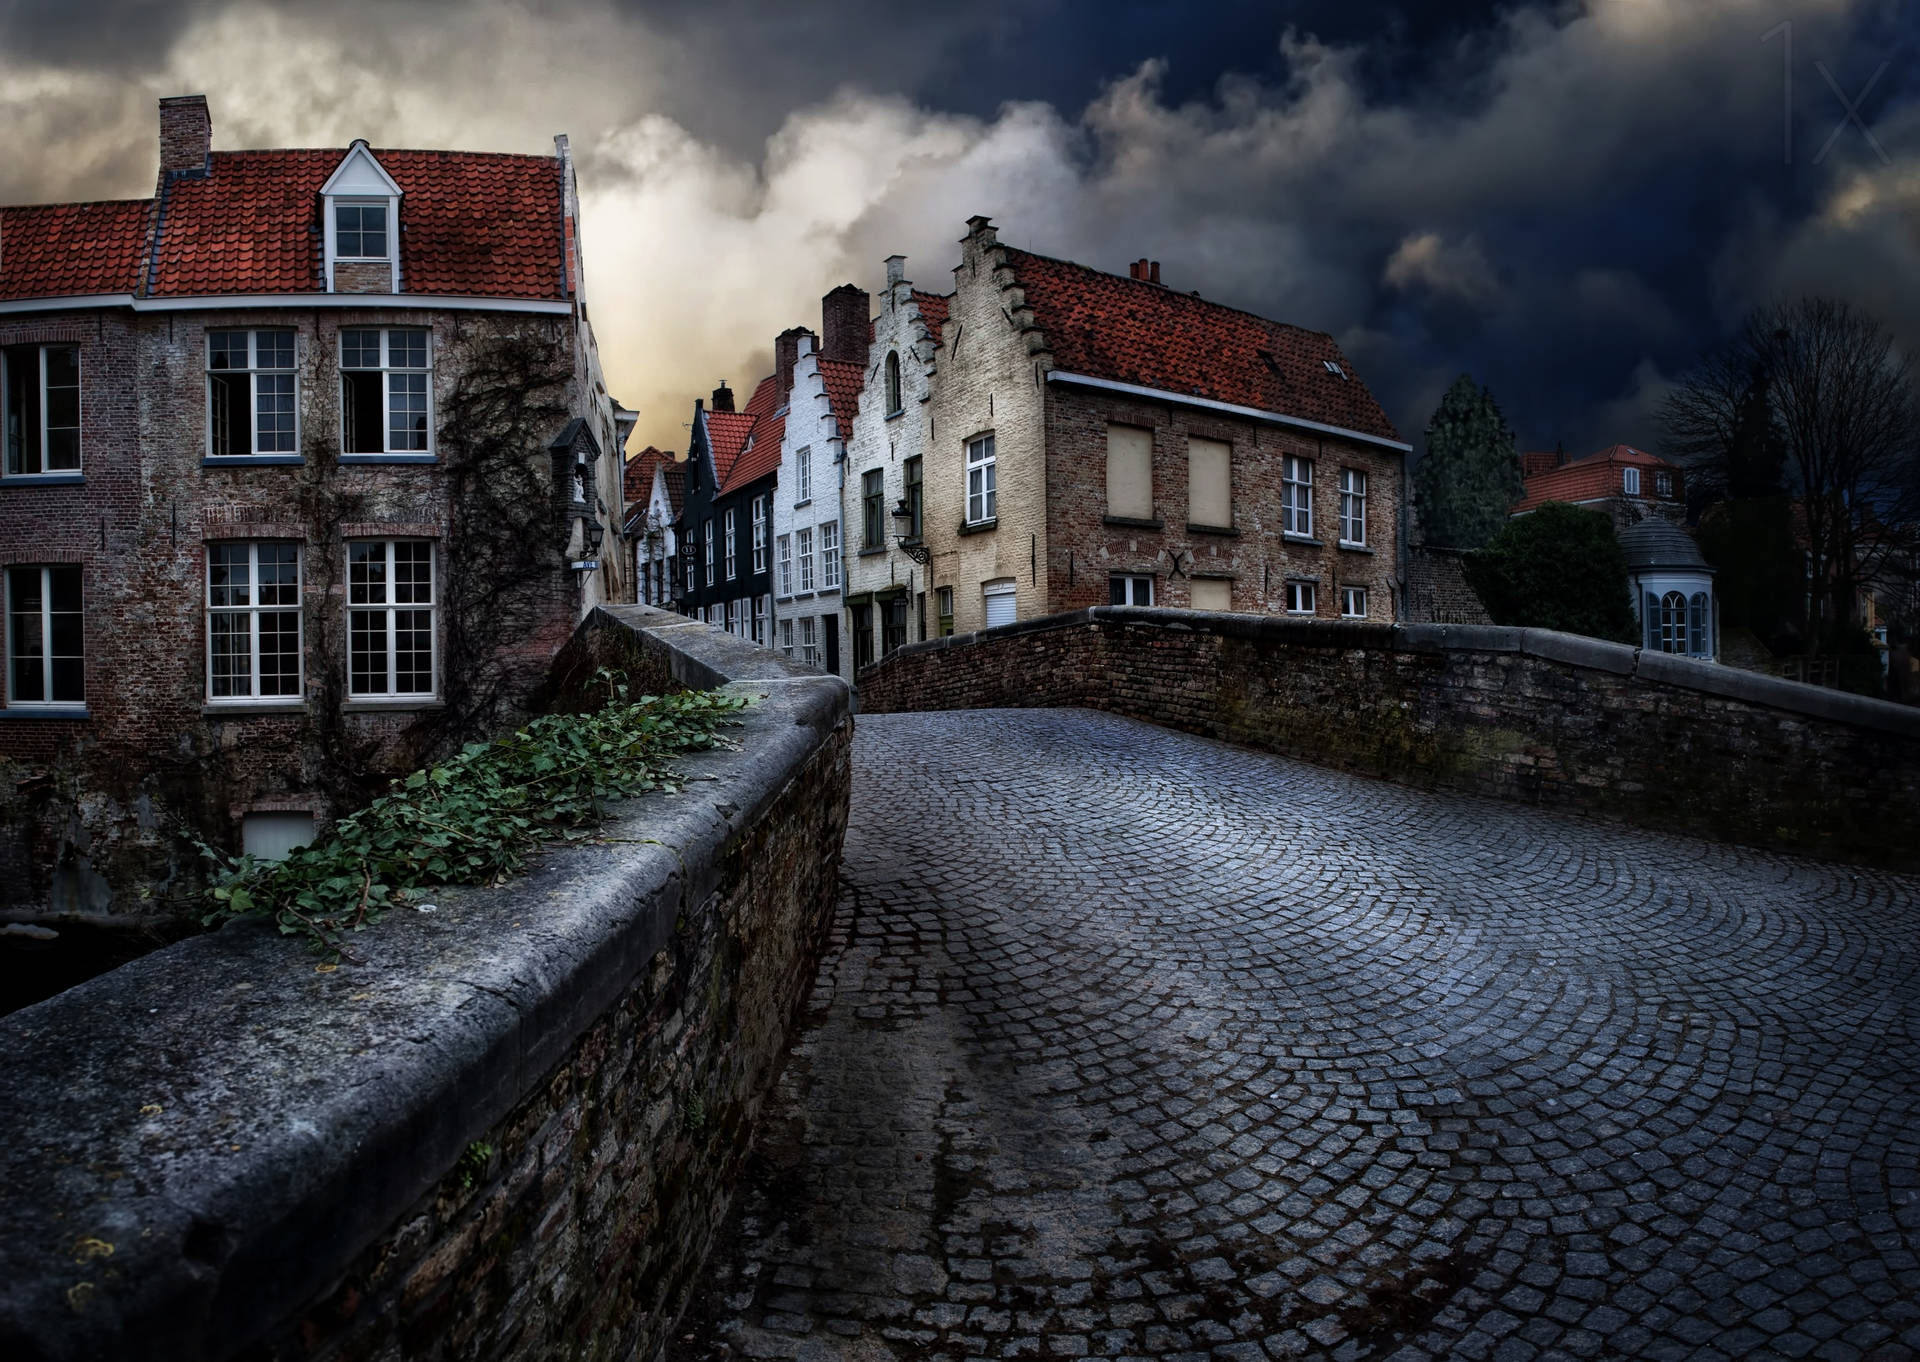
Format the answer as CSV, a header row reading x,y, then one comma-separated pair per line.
x,y
1569,198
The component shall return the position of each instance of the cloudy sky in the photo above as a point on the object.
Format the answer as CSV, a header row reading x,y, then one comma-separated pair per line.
x,y
1568,199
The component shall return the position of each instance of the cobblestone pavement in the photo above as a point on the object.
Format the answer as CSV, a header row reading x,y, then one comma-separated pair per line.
x,y
1134,1044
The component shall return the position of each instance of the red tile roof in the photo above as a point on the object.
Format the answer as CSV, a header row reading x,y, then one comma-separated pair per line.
x,y
1593,477
758,451
843,380
472,224
1131,331
59,250
727,433
637,480
933,311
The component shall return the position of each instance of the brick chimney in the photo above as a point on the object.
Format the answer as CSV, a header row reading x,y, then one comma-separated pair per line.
x,y
1145,270
786,351
186,134
723,397
844,319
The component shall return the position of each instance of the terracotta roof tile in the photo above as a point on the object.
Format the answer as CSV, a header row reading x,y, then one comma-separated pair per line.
x,y
637,480
60,249
843,380
727,433
1593,477
933,311
761,456
1108,326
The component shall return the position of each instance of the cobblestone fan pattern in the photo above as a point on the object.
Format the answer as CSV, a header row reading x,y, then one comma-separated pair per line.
x,y
1133,1044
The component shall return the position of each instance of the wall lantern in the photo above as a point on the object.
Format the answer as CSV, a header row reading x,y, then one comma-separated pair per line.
x,y
904,536
593,534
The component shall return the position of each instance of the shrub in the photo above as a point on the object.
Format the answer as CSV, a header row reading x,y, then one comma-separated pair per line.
x,y
1558,567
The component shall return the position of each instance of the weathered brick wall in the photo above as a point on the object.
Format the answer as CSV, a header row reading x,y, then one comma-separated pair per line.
x,y
100,813
1437,589
509,1132
1518,714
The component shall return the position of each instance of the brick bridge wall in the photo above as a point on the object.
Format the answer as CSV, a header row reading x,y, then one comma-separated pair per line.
x,y
1521,714
510,1134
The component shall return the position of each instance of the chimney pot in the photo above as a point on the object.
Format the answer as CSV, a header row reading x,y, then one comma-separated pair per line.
x,y
723,397
186,134
1153,271
844,321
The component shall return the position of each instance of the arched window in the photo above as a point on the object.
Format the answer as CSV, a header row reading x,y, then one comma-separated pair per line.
x,y
1673,623
893,381
1699,627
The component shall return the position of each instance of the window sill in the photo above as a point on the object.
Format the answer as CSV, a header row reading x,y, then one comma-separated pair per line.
x,y
871,553
400,702
42,480
1348,546
246,709
1306,539
251,460
1133,522
896,414
808,501
979,526
396,458
1228,530
31,711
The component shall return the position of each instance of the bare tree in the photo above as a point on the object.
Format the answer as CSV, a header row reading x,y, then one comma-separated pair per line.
x,y
1827,384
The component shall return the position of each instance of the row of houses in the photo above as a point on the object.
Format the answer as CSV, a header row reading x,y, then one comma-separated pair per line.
x,y
1040,436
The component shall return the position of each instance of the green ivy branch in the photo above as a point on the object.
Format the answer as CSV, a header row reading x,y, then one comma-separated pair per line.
x,y
475,818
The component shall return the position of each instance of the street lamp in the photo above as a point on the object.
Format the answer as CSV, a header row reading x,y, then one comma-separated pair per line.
x,y
903,518
593,533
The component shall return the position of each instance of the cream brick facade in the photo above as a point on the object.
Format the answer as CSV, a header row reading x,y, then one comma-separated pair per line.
x,y
810,434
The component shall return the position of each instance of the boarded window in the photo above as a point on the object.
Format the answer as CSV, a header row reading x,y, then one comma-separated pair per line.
x,y
1212,593
1130,472
1209,483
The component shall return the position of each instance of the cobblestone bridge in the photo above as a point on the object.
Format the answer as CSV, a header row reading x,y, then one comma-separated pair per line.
x,y
1134,1044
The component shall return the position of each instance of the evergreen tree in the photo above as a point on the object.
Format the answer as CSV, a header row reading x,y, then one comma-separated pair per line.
x,y
1470,476
1557,567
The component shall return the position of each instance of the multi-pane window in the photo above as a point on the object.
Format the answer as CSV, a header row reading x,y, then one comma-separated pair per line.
x,y
384,391
1130,589
893,625
732,556
809,641
786,637
1353,506
1300,598
786,565
360,231
45,637
893,382
390,605
250,407
1296,496
733,617
830,556
981,503
1353,602
706,547
40,408
253,621
873,509
803,475
910,471
761,605
943,607
862,616
686,554
759,534
803,550
1630,481
1663,484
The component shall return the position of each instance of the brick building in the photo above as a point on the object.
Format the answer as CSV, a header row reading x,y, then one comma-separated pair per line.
x,y
1622,483
726,514
655,488
304,459
1093,438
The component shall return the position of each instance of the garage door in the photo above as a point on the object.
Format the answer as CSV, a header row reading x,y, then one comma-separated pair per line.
x,y
1000,603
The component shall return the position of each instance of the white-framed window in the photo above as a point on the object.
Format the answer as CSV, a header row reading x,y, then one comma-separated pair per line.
x,y
250,406
1630,481
1296,496
1000,602
803,550
40,409
706,545
390,618
830,556
1300,598
809,646
253,621
46,636
360,230
943,609
761,606
759,535
982,504
688,555
786,565
1353,602
803,475
733,617
1663,484
732,548
386,391
1353,507
786,637
1130,589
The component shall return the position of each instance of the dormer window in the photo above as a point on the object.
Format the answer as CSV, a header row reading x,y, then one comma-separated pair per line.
x,y
360,231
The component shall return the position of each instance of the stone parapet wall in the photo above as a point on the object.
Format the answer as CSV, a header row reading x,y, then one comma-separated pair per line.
x,y
511,1133
1522,714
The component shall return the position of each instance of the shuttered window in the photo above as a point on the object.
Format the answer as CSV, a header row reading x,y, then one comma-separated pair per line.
x,y
1209,483
1129,472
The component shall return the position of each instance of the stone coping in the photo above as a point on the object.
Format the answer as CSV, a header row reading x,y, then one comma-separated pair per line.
x,y
200,1141
1622,659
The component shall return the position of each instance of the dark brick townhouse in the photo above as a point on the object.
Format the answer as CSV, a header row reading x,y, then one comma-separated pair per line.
x,y
1096,438
305,461
725,530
